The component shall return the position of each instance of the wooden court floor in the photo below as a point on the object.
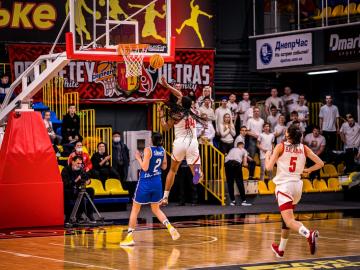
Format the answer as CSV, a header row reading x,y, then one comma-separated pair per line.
x,y
202,244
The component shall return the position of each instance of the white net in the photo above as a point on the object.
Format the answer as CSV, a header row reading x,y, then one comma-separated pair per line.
x,y
133,55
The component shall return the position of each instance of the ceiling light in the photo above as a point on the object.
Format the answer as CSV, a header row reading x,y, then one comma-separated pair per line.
x,y
322,72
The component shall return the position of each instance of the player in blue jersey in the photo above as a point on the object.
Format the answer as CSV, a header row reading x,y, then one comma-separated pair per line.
x,y
149,187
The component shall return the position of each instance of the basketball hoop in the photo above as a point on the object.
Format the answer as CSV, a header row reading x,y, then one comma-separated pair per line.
x,y
133,55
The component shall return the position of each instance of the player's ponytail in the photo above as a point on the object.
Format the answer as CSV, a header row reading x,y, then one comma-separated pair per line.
x,y
157,139
294,134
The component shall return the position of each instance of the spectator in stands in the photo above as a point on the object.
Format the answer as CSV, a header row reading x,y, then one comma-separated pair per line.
x,y
206,93
101,164
4,86
243,106
72,176
316,143
350,135
250,112
294,116
307,9
265,142
55,139
78,151
273,118
303,111
280,129
273,100
207,109
329,124
289,100
254,129
232,105
121,158
70,128
234,161
184,179
205,133
227,134
220,112
194,109
242,138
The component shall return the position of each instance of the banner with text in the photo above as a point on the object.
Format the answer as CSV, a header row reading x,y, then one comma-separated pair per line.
x,y
342,44
284,51
99,82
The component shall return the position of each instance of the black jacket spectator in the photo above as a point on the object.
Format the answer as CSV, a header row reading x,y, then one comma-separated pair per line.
x,y
120,157
101,166
70,128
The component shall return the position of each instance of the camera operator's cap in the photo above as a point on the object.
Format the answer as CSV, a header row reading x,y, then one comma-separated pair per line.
x,y
224,98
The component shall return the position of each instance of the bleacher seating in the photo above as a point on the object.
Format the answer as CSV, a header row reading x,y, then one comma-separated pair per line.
x,y
271,186
308,187
352,9
98,188
60,168
245,172
114,187
334,184
320,185
263,189
257,172
329,170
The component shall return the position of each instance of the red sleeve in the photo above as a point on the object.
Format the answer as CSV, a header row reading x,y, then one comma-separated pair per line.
x,y
88,165
70,158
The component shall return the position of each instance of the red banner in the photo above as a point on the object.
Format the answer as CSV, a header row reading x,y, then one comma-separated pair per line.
x,y
99,82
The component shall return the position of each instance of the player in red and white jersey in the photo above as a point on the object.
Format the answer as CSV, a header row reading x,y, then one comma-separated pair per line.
x,y
185,145
290,158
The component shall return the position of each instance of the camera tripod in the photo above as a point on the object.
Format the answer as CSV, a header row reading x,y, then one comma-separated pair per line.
x,y
78,201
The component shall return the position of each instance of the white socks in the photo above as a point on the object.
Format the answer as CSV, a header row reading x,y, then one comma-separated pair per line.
x,y
166,194
130,230
283,243
304,231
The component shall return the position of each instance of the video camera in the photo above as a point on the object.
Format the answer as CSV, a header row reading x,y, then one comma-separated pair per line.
x,y
83,178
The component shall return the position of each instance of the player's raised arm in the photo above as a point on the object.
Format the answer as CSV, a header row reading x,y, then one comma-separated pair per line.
x,y
318,162
166,125
270,159
173,90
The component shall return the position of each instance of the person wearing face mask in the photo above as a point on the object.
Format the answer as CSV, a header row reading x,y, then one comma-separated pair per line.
x,y
101,164
72,177
78,151
120,157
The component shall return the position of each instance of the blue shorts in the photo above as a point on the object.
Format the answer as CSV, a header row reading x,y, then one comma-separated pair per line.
x,y
148,190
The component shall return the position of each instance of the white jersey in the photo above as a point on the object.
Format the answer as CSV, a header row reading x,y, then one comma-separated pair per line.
x,y
290,164
185,128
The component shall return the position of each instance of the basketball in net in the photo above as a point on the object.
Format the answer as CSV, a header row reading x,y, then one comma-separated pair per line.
x,y
156,61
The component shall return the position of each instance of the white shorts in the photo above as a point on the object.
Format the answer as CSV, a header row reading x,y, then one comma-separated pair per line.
x,y
288,194
186,148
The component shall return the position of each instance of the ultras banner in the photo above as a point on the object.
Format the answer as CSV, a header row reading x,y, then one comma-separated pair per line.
x,y
101,82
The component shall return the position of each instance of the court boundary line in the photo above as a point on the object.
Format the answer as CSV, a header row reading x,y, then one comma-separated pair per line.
x,y
25,255
278,261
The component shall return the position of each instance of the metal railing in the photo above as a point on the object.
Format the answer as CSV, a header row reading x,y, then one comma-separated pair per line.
x,y
280,17
212,160
87,129
53,96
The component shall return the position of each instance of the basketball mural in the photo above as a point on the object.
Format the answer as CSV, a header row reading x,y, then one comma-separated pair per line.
x,y
106,82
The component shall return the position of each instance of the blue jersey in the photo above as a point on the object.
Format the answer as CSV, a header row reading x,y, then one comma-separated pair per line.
x,y
157,157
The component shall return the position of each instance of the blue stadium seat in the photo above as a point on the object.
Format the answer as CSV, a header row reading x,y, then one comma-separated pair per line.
x,y
39,106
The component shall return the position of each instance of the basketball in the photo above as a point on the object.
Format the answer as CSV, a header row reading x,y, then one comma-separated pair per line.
x,y
156,61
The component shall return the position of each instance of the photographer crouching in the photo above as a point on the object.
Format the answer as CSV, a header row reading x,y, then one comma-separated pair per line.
x,y
74,177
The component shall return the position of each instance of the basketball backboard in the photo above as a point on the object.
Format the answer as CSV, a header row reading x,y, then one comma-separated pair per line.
x,y
97,28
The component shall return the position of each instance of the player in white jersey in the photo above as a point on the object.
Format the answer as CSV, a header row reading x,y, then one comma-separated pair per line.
x,y
290,158
185,144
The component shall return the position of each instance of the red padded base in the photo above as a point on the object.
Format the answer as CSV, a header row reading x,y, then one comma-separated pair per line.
x,y
31,190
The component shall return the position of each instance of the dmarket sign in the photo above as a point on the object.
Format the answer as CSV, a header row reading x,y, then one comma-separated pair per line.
x,y
342,44
284,51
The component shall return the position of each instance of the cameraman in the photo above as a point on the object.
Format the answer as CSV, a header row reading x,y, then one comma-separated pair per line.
x,y
74,177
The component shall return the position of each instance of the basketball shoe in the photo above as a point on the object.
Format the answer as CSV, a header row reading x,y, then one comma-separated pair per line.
x,y
275,249
128,241
312,240
175,235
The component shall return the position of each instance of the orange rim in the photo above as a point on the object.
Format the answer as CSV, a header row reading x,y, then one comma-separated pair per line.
x,y
126,49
